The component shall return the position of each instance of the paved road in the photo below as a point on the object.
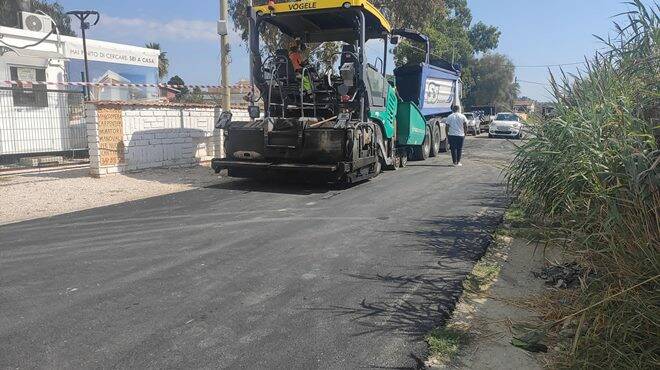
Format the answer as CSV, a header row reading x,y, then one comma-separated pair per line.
x,y
247,275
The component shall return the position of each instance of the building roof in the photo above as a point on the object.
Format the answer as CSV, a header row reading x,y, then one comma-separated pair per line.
x,y
524,102
112,77
167,88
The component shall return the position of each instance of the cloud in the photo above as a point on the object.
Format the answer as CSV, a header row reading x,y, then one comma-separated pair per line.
x,y
171,30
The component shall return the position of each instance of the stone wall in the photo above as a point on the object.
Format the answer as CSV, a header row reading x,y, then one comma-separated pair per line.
x,y
124,137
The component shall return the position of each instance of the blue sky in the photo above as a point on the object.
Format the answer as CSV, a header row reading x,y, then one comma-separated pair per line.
x,y
533,33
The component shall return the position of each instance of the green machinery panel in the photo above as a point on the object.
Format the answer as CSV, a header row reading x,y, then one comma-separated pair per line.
x,y
386,117
411,125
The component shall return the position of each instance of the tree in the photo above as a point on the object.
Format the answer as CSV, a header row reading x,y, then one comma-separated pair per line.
x,y
239,15
196,96
414,14
484,37
449,41
183,91
494,83
163,61
451,36
9,13
459,10
453,39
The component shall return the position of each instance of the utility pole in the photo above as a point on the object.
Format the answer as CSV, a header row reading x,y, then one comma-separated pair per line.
x,y
82,16
224,60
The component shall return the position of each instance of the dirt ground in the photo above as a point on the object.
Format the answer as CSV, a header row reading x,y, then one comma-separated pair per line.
x,y
486,317
50,192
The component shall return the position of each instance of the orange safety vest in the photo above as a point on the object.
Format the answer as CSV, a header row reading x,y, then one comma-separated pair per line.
x,y
296,60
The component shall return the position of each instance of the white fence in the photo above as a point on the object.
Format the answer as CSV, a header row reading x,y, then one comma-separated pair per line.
x,y
126,137
36,120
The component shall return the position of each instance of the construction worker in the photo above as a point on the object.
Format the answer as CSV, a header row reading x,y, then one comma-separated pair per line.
x,y
298,61
456,128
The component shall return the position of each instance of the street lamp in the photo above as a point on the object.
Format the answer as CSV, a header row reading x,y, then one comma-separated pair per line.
x,y
82,16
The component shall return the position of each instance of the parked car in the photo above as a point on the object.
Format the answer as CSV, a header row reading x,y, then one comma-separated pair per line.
x,y
484,121
487,114
473,126
506,124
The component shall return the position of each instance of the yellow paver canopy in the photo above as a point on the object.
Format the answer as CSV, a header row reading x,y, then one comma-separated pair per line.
x,y
324,20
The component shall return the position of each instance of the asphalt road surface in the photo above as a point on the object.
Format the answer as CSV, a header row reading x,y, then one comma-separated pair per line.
x,y
249,275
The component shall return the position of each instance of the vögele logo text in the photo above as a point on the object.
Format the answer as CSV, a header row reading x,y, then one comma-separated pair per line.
x,y
302,6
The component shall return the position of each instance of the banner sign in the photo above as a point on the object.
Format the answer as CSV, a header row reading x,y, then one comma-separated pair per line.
x,y
74,50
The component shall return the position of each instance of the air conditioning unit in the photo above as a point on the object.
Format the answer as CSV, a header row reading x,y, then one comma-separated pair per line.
x,y
36,22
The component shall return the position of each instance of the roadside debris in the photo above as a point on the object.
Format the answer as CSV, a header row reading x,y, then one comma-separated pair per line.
x,y
561,276
528,337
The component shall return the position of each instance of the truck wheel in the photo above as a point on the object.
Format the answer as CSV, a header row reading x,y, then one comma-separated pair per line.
x,y
435,147
444,146
378,168
404,160
422,152
383,163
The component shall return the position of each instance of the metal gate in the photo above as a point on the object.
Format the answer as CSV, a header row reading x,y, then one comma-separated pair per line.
x,y
37,120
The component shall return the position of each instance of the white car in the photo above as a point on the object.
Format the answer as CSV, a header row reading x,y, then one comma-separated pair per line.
x,y
473,124
506,125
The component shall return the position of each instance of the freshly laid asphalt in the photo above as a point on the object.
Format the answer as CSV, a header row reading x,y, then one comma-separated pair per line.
x,y
252,275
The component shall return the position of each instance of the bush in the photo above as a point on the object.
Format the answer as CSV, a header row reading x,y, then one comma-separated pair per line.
x,y
590,174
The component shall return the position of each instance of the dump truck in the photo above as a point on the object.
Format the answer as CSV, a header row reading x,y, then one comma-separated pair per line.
x,y
339,125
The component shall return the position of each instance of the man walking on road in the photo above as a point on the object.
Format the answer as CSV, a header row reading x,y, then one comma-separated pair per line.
x,y
456,127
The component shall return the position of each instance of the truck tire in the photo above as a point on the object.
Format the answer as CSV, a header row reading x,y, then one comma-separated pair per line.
x,y
381,150
435,142
404,160
444,146
422,152
378,166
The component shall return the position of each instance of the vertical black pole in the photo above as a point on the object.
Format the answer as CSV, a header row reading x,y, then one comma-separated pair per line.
x,y
82,77
385,40
363,67
86,62
82,16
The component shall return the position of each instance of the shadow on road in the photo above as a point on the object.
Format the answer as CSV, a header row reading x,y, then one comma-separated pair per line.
x,y
431,165
274,186
423,299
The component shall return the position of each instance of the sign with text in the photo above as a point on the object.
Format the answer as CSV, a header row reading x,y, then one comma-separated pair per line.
x,y
111,136
74,50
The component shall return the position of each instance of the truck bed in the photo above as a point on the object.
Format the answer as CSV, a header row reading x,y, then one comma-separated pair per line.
x,y
433,89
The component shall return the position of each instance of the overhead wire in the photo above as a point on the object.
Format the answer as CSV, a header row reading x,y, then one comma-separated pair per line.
x,y
532,82
516,66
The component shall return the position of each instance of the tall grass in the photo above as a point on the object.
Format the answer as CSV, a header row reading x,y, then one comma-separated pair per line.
x,y
591,176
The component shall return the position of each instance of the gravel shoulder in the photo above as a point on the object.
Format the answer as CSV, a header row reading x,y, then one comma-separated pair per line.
x,y
42,194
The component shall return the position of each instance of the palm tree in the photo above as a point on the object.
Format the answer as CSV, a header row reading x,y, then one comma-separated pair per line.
x,y
163,62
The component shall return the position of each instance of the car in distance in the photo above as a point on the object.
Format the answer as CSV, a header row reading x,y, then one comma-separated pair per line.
x,y
506,124
487,115
484,121
473,124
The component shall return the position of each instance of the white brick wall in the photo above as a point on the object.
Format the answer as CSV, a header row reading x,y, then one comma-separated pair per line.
x,y
160,136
